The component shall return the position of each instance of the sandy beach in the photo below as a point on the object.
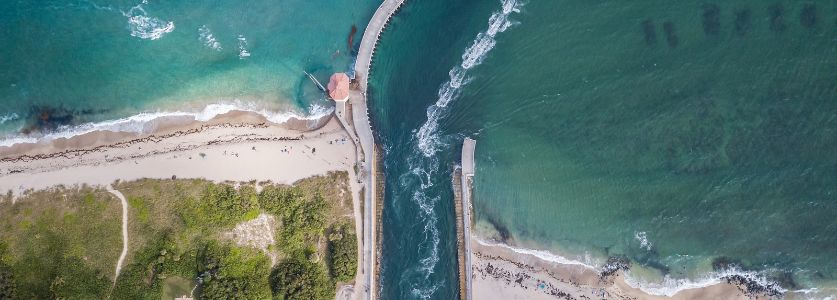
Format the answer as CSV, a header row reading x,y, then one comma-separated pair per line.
x,y
500,272
232,147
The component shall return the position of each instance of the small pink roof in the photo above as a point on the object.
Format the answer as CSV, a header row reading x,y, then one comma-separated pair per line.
x,y
338,87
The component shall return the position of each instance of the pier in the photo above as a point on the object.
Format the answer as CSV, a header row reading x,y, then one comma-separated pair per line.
x,y
463,177
369,168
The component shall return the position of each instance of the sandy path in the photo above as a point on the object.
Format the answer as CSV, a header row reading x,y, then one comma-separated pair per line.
x,y
124,230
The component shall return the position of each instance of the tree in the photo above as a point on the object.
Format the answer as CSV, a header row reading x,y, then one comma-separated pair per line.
x,y
296,278
342,254
8,289
233,273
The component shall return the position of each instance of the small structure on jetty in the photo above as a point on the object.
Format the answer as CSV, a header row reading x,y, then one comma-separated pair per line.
x,y
338,87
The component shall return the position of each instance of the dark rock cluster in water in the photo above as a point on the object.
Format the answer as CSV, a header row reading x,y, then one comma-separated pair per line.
x,y
777,17
502,230
751,286
711,19
44,118
742,21
649,32
671,34
742,25
808,16
613,265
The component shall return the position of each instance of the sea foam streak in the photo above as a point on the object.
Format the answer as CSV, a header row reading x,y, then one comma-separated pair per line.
x,y
138,123
145,27
424,167
242,47
208,39
473,56
9,117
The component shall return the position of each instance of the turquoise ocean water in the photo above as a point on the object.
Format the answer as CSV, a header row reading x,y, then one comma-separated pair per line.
x,y
83,61
694,138
690,137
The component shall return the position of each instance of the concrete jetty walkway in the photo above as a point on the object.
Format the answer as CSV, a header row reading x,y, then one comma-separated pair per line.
x,y
363,129
467,180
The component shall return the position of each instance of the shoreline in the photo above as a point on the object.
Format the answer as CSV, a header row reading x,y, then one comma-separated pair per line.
x,y
219,149
146,122
519,273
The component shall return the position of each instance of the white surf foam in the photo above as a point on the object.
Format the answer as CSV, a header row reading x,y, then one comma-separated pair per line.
x,y
208,39
670,286
642,238
139,123
242,47
541,254
424,167
8,117
144,26
472,57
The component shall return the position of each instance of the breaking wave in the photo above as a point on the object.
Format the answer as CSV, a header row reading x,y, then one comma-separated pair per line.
x,y
8,117
242,47
472,57
141,123
144,26
208,39
424,167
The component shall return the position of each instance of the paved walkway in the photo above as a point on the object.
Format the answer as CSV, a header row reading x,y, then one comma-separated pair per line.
x,y
363,128
468,169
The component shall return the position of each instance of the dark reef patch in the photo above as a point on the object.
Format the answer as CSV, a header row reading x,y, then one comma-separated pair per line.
x,y
502,230
44,118
649,32
776,12
671,34
711,19
743,21
808,16
47,118
725,263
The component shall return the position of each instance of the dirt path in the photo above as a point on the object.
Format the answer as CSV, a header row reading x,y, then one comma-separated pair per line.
x,y
124,230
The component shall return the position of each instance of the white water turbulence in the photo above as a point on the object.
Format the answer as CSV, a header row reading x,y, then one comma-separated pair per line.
x,y
670,286
145,27
242,47
472,57
642,238
424,165
142,122
9,117
209,39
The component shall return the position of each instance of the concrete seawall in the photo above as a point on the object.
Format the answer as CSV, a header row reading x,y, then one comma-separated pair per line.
x,y
462,187
371,170
370,38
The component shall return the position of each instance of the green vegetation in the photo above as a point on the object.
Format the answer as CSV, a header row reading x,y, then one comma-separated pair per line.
x,y
65,243
296,278
342,253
